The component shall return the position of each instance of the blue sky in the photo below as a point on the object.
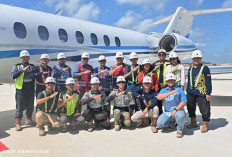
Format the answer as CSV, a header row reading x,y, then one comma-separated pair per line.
x,y
212,33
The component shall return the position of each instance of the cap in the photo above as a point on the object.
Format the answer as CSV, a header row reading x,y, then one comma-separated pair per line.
x,y
170,76
196,53
162,50
94,80
173,55
147,79
85,55
44,56
60,55
146,61
50,79
133,55
119,55
101,58
24,53
70,81
121,79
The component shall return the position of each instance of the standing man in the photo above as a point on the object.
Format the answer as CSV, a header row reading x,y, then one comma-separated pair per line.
x,y
102,73
61,72
199,91
117,69
24,75
43,71
174,102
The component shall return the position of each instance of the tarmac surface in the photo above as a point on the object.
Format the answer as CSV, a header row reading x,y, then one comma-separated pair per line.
x,y
132,142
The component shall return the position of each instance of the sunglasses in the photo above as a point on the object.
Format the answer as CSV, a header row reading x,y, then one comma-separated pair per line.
x,y
121,82
161,55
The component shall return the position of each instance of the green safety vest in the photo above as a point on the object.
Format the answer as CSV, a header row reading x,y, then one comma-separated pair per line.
x,y
46,103
71,105
134,77
166,63
19,80
197,79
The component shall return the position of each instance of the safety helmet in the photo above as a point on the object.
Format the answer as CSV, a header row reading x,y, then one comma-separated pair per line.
x,y
121,79
94,80
147,79
146,61
101,58
24,53
173,55
60,55
196,53
70,81
170,76
133,55
50,79
44,56
85,55
119,55
162,50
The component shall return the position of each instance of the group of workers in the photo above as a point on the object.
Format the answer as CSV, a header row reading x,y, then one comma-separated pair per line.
x,y
136,92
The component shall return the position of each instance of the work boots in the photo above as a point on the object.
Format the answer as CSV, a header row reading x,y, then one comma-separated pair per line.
x,y
18,124
193,123
117,126
204,127
153,125
41,130
29,122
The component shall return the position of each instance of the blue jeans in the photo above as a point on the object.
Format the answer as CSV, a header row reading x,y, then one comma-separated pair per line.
x,y
165,121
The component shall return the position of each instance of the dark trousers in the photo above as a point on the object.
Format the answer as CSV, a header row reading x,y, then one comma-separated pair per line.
x,y
24,102
159,104
203,104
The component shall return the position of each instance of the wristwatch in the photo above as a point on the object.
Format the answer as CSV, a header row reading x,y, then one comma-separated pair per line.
x,y
176,109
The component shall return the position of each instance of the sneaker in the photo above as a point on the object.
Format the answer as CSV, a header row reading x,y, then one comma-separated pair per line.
x,y
179,134
41,131
117,127
91,128
153,129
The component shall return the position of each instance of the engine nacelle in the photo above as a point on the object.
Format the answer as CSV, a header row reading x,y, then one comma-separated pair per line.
x,y
176,42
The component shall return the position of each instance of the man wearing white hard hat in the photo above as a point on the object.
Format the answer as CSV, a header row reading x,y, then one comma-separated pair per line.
x,y
82,74
177,69
68,106
24,74
148,104
43,71
102,73
174,101
97,107
47,101
199,91
117,69
61,72
124,104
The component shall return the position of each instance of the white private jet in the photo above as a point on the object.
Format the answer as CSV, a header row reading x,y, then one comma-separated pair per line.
x,y
40,32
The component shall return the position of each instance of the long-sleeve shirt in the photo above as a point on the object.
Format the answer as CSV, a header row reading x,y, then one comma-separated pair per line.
x,y
132,80
76,70
179,73
149,97
154,83
204,86
104,78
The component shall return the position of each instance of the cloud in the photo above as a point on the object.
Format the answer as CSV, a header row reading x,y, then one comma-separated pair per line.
x,y
76,8
200,45
199,37
199,2
155,4
134,21
227,4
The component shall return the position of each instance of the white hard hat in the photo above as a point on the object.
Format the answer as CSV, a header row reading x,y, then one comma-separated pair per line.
x,y
24,53
162,50
170,76
70,81
60,55
85,55
50,79
133,55
44,56
101,58
196,53
94,80
173,55
119,55
147,79
121,79
146,61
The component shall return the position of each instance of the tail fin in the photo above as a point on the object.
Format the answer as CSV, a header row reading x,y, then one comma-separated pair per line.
x,y
181,21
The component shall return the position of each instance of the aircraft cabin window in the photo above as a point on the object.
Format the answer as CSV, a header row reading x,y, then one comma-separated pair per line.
x,y
80,37
106,40
20,30
94,38
63,35
43,33
117,42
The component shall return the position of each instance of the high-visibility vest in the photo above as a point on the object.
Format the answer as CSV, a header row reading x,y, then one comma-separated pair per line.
x,y
71,105
175,73
166,63
19,80
134,78
46,103
43,78
82,82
